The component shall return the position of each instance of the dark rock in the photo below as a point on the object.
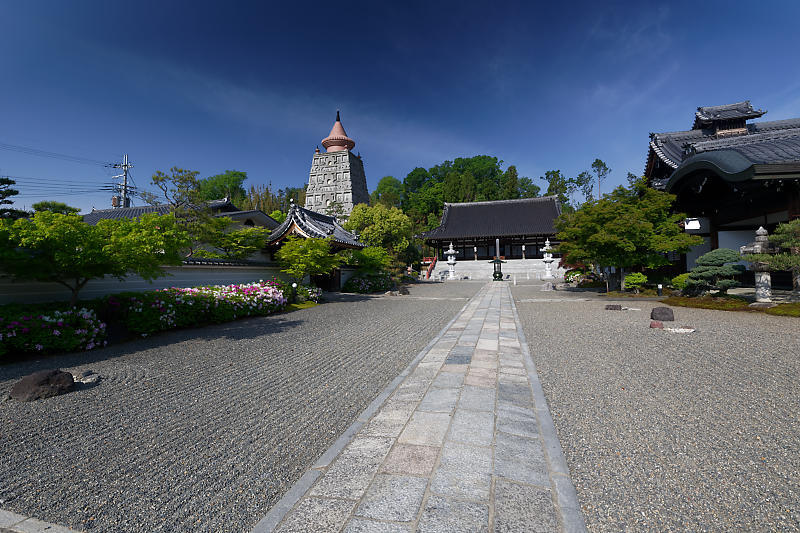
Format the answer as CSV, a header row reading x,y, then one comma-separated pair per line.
x,y
655,324
403,291
662,314
613,307
43,384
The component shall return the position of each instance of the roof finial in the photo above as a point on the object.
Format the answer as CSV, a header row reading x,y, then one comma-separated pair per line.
x,y
338,139
337,116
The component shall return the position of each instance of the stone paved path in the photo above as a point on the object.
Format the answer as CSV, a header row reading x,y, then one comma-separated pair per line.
x,y
465,442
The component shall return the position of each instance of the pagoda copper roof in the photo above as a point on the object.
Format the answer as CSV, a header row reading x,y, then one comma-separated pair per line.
x,y
337,139
499,218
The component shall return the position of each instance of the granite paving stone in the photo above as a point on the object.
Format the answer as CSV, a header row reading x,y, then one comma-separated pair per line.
x,y
473,454
473,427
427,429
363,525
516,420
410,459
523,508
477,398
391,497
320,515
448,516
439,400
520,459
448,380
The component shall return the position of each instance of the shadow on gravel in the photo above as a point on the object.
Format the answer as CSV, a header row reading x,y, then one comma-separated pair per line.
x,y
246,328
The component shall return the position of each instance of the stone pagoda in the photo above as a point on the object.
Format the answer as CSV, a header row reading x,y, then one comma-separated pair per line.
x,y
337,181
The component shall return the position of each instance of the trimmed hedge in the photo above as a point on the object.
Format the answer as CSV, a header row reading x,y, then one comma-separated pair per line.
x,y
366,283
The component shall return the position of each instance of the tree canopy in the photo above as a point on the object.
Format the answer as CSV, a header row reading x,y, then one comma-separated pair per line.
x,y
6,192
472,179
306,257
228,185
222,238
389,192
55,207
629,227
382,226
63,249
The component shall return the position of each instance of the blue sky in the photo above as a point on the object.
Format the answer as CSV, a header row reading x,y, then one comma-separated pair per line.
x,y
255,86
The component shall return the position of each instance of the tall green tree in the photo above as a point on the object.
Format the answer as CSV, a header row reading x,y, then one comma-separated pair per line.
x,y
63,249
560,186
6,192
528,189
179,189
382,226
600,170
229,184
630,227
222,238
55,207
389,192
300,257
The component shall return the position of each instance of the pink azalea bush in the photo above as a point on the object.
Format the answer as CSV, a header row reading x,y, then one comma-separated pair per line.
x,y
56,331
176,307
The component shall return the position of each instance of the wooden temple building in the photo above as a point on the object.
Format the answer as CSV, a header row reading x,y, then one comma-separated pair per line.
x,y
522,227
729,175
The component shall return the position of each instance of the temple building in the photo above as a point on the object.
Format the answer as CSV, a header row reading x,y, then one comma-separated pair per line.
x,y
475,229
729,175
305,223
337,181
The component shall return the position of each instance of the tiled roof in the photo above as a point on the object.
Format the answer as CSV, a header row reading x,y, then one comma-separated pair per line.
x,y
124,212
772,142
219,207
500,218
709,114
314,225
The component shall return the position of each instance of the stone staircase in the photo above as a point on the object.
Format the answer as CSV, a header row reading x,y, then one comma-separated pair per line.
x,y
482,269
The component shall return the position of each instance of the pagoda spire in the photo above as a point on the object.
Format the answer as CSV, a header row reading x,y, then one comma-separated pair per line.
x,y
337,139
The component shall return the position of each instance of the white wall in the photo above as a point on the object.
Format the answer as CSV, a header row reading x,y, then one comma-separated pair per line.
x,y
183,276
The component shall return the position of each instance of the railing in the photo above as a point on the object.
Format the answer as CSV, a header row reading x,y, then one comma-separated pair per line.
x,y
430,267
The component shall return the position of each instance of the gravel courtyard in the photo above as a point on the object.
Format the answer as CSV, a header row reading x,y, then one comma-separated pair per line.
x,y
671,432
203,430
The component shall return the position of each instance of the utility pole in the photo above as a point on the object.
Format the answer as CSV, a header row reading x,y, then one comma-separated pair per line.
x,y
125,166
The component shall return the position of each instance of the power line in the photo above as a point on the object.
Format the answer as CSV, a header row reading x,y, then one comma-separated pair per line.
x,y
52,155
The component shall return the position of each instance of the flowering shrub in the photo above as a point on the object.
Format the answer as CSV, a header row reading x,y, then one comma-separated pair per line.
x,y
149,312
365,283
305,293
56,331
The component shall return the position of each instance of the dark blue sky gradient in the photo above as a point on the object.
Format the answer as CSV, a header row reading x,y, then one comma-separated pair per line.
x,y
255,87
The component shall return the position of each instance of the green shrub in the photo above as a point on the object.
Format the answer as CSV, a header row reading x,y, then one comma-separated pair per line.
x,y
635,281
714,272
366,283
679,281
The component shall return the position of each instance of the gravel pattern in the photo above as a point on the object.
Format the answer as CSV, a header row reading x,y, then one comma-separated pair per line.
x,y
672,432
205,429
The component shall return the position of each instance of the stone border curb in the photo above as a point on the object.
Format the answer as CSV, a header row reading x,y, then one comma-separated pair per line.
x,y
568,506
271,520
18,523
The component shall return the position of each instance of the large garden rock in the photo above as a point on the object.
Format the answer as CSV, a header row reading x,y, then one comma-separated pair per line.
x,y
662,314
42,384
613,307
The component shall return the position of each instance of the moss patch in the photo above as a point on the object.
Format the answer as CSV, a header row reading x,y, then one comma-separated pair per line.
x,y
731,303
792,309
297,307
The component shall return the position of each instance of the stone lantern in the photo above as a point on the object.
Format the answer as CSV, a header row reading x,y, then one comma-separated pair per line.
x,y
451,261
761,270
